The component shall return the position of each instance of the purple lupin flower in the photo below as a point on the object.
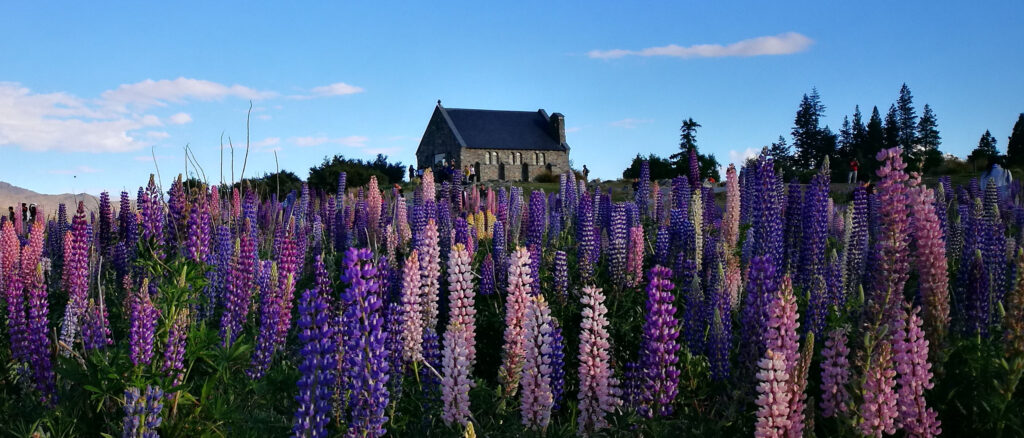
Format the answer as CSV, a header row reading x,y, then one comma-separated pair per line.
x,y
142,319
317,367
106,227
561,275
176,214
556,356
270,314
694,314
365,352
487,286
720,324
586,235
643,192
892,268
76,271
288,265
762,286
197,245
929,259
658,358
694,175
835,374
218,275
765,233
915,376
857,247
618,240
142,412
431,356
15,300
537,224
240,286
174,352
39,353
95,328
811,274
794,227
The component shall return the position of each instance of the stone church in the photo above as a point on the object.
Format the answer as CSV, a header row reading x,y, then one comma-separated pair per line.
x,y
499,145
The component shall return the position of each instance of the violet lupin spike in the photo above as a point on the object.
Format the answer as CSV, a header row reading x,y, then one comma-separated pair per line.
x,y
929,259
76,270
365,353
910,349
731,220
174,352
142,317
835,374
317,367
658,359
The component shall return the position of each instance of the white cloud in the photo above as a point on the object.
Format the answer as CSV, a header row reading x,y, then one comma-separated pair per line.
x,y
150,120
180,119
157,134
269,141
59,121
336,89
357,141
73,171
573,129
737,157
781,44
263,117
630,123
158,93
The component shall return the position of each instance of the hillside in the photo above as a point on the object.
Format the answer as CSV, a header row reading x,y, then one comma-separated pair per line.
x,y
13,196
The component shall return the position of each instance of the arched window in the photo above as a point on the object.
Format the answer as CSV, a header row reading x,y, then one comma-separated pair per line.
x,y
543,159
494,158
487,158
519,158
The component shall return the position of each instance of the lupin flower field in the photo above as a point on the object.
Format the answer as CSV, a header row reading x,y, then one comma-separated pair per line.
x,y
767,309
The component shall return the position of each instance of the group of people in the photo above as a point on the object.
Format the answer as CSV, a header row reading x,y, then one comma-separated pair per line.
x,y
28,212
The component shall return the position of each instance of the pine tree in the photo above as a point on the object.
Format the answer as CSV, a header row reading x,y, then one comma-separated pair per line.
x,y
1015,146
687,141
928,139
986,152
859,134
907,119
845,142
892,128
874,141
809,138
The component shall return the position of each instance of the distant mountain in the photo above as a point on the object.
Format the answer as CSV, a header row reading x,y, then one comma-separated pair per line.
x,y
14,196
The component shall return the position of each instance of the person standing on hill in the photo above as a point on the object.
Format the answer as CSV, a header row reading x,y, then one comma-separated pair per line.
x,y
852,176
412,173
586,172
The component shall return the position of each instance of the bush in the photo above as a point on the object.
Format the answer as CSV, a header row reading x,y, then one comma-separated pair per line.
x,y
546,177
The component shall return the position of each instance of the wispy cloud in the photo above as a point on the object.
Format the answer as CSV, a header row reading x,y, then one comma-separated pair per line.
x,y
357,141
180,119
781,44
630,123
266,142
335,89
73,171
150,93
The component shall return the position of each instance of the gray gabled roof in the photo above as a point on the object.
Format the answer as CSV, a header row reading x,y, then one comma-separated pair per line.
x,y
495,129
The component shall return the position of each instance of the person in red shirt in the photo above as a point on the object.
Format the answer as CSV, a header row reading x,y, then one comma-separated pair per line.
x,y
852,176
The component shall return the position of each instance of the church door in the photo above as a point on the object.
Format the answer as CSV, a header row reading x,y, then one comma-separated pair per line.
x,y
526,172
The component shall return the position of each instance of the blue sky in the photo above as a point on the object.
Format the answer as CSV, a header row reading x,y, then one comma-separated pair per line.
x,y
87,90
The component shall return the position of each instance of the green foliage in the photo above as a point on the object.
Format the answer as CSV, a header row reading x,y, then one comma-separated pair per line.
x,y
358,172
661,168
986,153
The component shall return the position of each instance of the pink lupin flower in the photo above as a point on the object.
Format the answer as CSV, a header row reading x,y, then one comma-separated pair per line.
x,y
635,257
412,309
798,390
516,303
773,398
402,222
537,398
9,248
781,335
731,218
733,279
835,374
892,269
462,296
878,411
373,203
430,273
427,184
915,376
598,395
929,260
